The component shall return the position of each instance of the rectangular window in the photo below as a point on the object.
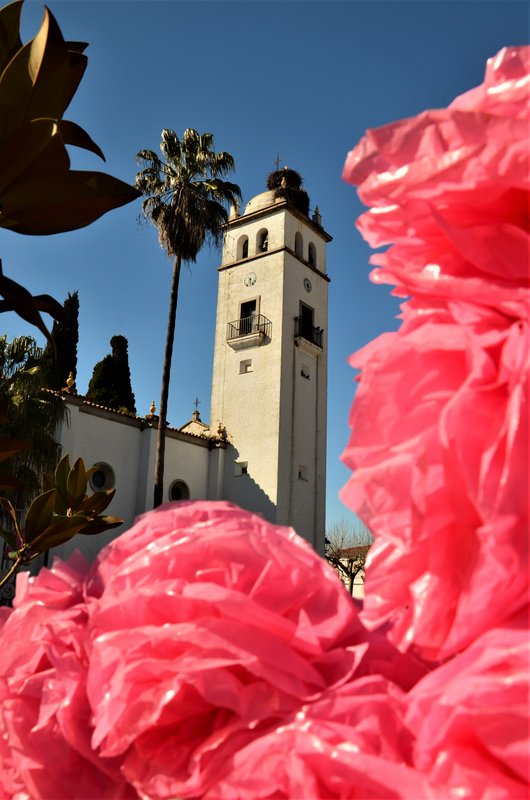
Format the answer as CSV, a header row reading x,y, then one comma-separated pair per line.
x,y
245,366
248,316
306,321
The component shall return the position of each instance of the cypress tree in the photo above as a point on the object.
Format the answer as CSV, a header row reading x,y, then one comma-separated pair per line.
x,y
110,384
57,362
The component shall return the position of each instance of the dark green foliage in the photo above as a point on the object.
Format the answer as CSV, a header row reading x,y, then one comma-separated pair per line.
x,y
110,384
287,184
55,516
59,360
31,414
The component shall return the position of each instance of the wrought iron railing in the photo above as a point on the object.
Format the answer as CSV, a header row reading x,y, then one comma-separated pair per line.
x,y
307,331
256,323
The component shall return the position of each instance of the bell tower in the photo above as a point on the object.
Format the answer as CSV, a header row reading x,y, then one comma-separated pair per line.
x,y
270,359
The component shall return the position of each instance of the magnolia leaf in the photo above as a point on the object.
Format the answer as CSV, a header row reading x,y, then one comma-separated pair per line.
x,y
28,148
47,482
9,32
45,203
50,66
61,477
97,502
18,299
76,485
78,63
72,133
99,525
76,47
61,529
39,515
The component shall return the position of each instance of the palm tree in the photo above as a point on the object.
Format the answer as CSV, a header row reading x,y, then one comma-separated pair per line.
x,y
186,200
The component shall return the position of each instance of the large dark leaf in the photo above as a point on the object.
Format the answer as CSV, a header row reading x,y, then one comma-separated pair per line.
x,y
36,82
78,63
100,525
37,145
9,32
45,203
60,530
18,299
39,515
97,502
76,485
61,479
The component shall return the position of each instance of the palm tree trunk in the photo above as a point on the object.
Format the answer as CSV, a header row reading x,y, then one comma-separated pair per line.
x,y
166,375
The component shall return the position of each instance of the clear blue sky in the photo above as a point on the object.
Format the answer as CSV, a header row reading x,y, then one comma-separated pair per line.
x,y
304,79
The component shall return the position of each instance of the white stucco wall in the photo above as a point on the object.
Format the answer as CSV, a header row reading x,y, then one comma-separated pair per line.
x,y
101,436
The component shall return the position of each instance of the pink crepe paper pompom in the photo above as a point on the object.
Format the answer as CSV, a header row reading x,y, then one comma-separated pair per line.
x,y
449,192
440,447
45,749
208,626
470,718
352,743
439,439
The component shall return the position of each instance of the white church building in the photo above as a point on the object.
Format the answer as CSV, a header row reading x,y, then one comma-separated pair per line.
x,y
265,446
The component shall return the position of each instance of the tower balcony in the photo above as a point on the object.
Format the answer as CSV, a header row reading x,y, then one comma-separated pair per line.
x,y
248,332
303,329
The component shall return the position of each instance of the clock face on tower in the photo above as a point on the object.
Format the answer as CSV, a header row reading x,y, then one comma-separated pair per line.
x,y
250,279
307,285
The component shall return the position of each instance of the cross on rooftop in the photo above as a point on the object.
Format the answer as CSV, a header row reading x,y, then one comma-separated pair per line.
x,y
196,403
278,161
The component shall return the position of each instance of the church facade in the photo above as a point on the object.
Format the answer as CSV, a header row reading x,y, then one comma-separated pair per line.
x,y
265,446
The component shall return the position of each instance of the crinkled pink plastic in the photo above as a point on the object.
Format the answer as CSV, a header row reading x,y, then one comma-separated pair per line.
x,y
449,192
228,624
469,718
45,719
439,439
210,654
197,631
352,743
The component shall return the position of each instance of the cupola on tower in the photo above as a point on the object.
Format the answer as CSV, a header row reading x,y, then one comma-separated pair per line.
x,y
270,359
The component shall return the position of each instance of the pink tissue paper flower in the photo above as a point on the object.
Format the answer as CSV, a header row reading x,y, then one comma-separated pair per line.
x,y
439,439
228,624
195,632
352,743
469,718
449,192
45,718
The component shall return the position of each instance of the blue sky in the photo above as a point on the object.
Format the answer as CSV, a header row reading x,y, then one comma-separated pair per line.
x,y
304,79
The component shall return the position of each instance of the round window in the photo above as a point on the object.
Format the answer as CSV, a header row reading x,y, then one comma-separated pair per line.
x,y
179,491
102,478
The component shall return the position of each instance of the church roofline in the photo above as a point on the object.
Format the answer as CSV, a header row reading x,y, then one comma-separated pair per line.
x,y
279,205
127,418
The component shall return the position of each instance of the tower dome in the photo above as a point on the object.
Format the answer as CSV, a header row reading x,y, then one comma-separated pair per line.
x,y
263,200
